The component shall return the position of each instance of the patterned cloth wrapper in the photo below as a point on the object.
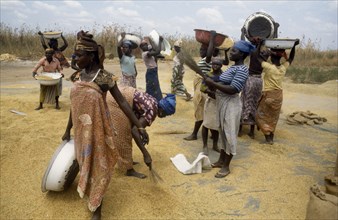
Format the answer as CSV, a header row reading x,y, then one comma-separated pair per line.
x,y
94,145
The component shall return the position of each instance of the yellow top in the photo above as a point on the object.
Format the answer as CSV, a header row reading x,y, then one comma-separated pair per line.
x,y
273,75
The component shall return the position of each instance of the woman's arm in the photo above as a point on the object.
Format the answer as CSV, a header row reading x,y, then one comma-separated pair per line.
x,y
226,58
65,43
223,88
42,40
157,51
210,49
293,51
119,45
66,135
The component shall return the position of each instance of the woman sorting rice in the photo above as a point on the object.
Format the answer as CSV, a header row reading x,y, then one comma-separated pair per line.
x,y
229,105
146,109
93,129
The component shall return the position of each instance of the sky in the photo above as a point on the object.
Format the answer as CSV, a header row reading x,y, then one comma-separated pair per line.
x,y
310,21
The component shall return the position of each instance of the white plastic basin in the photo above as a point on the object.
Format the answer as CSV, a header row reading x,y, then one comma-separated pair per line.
x,y
55,175
48,79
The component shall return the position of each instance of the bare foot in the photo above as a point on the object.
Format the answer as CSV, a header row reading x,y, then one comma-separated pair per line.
x,y
215,148
251,135
191,138
97,213
133,173
205,151
188,98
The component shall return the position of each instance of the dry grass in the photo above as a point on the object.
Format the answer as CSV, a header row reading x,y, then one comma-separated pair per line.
x,y
311,65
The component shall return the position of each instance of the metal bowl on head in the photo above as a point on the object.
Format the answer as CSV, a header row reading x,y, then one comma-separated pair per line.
x,y
279,43
203,36
48,79
259,24
133,38
62,168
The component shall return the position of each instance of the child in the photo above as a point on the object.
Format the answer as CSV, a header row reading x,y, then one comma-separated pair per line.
x,y
209,116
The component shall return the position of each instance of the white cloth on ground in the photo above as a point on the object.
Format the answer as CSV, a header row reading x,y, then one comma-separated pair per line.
x,y
181,163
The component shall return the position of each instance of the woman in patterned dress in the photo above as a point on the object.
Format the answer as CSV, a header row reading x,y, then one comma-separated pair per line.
x,y
93,129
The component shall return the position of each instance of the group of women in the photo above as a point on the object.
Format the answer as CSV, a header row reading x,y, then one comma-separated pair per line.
x,y
100,109
242,95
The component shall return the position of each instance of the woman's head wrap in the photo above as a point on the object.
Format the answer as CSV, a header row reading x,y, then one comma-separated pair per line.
x,y
168,104
49,50
144,41
244,46
128,43
85,42
178,43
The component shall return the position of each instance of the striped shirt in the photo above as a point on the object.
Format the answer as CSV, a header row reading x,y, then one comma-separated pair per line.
x,y
204,66
235,76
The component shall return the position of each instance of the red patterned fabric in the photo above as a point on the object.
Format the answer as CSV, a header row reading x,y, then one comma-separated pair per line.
x,y
93,138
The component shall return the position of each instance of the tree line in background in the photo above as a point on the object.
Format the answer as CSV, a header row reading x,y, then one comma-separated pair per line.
x,y
311,65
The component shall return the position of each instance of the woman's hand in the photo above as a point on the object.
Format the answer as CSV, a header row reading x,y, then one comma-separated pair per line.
x,y
209,81
296,42
144,135
123,35
66,135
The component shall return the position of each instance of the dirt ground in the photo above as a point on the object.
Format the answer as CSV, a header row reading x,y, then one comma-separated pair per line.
x,y
266,182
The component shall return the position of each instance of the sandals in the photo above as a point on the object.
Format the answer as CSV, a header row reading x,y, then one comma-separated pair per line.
x,y
216,165
221,175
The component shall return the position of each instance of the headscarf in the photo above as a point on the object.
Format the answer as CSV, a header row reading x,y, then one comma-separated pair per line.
x,y
85,42
168,104
128,43
49,50
244,46
145,40
178,43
